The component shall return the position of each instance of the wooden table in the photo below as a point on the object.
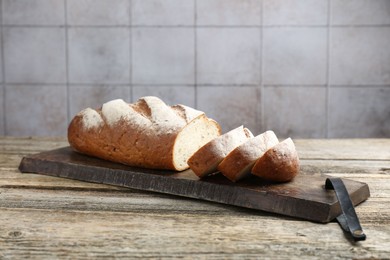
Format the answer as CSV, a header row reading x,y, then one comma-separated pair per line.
x,y
46,217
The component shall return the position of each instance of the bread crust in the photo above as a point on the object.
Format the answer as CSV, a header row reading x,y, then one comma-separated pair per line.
x,y
239,162
143,134
205,161
279,164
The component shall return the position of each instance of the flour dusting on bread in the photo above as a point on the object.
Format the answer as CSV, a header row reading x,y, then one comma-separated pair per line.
x,y
151,134
91,118
147,133
116,110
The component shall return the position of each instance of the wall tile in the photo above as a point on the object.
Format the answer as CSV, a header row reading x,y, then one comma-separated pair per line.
x,y
98,12
171,95
99,55
231,106
36,110
360,12
228,12
163,56
37,12
2,115
359,112
360,55
81,97
228,55
163,53
1,54
295,111
295,12
34,55
167,12
295,55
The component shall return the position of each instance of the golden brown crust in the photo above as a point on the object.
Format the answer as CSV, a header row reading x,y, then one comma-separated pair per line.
x,y
120,144
146,140
205,161
239,162
279,164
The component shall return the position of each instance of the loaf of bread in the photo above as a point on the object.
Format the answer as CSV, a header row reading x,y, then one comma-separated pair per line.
x,y
147,134
239,162
207,158
279,164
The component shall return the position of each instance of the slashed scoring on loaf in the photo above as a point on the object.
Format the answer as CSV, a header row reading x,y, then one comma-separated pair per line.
x,y
186,112
115,110
91,118
162,117
147,133
150,113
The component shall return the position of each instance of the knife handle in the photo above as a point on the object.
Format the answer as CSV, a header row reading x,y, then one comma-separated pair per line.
x,y
348,219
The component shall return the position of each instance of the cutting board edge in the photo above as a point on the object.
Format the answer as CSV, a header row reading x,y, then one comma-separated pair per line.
x,y
30,164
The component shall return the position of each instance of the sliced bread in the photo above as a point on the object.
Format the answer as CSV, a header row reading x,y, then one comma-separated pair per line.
x,y
208,157
239,162
279,164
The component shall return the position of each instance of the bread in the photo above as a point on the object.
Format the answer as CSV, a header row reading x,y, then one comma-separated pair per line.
x,y
207,158
146,134
239,162
279,164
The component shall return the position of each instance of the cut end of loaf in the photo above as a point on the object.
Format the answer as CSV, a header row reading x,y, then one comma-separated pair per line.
x,y
148,133
197,133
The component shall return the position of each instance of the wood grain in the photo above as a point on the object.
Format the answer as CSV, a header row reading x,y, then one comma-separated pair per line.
x,y
43,217
304,197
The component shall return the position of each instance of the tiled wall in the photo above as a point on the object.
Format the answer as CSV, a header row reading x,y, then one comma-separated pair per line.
x,y
304,68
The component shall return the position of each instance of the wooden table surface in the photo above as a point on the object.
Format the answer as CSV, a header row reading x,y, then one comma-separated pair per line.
x,y
46,217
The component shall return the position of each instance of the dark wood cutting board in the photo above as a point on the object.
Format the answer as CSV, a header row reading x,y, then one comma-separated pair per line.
x,y
305,197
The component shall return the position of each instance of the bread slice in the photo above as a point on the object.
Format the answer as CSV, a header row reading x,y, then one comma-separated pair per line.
x,y
279,164
148,133
207,158
239,162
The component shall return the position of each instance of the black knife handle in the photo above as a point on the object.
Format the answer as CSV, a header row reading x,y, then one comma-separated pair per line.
x,y
348,219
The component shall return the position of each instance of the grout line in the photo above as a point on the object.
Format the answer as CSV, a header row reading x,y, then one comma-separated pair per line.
x,y
194,26
34,84
4,99
328,74
294,85
360,86
196,54
68,113
131,92
192,85
261,120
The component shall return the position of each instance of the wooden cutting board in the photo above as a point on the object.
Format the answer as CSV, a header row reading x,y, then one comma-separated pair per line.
x,y
305,197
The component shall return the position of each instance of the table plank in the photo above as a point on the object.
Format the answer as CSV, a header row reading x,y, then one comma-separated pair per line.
x,y
44,217
344,149
88,234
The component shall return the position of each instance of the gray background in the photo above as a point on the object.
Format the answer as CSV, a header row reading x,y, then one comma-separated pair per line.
x,y
303,68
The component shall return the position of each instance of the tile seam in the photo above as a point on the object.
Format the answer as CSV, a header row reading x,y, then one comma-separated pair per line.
x,y
4,99
113,84
196,54
262,88
195,26
328,69
68,113
131,90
